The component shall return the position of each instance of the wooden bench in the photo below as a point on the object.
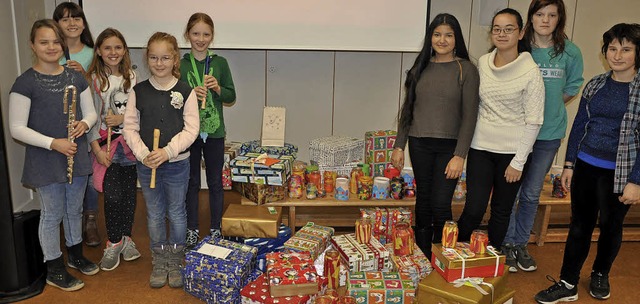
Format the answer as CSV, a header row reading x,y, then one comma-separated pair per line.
x,y
541,223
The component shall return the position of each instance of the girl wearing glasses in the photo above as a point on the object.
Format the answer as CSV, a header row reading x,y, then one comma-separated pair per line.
x,y
210,77
437,119
163,102
560,63
509,118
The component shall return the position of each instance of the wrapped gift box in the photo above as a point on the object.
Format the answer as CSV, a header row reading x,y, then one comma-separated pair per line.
x,y
260,194
435,289
204,291
381,287
257,292
288,259
255,147
311,238
416,265
460,262
265,245
336,151
218,262
273,170
356,256
378,146
251,221
384,220
293,280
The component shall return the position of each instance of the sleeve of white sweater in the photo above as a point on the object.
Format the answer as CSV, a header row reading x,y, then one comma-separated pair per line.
x,y
534,116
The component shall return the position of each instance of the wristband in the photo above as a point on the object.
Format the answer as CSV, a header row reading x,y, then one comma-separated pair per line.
x,y
568,167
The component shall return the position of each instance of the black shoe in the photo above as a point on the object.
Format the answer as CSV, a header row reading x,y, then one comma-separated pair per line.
x,y
509,251
558,292
58,276
599,287
524,260
76,260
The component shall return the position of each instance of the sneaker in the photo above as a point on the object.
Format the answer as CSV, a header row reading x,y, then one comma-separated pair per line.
x,y
524,259
76,260
509,251
111,257
558,292
599,287
192,238
129,252
215,233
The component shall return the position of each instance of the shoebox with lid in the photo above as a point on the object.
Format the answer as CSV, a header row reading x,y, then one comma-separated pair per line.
x,y
257,292
336,153
251,221
435,289
385,219
416,265
311,238
378,146
215,263
264,169
357,256
461,262
381,287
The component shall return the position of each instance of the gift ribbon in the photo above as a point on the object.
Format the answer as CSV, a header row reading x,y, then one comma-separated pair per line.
x,y
474,282
461,258
492,251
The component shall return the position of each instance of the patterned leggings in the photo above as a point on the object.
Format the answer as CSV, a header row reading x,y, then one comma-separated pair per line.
x,y
119,200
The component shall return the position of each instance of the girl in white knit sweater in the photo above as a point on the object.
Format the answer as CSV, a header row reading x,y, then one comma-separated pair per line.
x,y
509,118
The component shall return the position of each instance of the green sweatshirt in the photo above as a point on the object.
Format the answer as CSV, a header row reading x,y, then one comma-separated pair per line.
x,y
211,118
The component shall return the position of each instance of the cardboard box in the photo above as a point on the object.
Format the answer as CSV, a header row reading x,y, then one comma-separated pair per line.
x,y
454,266
360,257
274,170
435,289
260,194
251,221
381,287
378,146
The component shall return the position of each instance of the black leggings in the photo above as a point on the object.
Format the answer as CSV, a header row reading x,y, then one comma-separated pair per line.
x,y
119,200
592,194
213,152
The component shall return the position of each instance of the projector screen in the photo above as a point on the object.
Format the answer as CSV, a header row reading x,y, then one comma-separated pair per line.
x,y
358,25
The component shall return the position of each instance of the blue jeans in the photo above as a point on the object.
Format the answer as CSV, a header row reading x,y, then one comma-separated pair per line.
x,y
60,203
526,206
166,200
90,197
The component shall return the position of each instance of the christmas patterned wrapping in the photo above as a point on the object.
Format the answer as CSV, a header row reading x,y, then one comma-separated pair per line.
x,y
210,293
332,268
479,241
403,239
260,194
311,238
363,230
416,265
293,280
449,234
461,262
255,147
377,150
257,292
384,219
381,287
372,256
264,169
265,245
288,259
218,262
334,151
231,149
251,221
435,289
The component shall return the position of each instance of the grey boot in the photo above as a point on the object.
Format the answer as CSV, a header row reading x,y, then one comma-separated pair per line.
x,y
174,261
160,271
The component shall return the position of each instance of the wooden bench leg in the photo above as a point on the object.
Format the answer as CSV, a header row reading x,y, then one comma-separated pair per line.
x,y
541,223
292,219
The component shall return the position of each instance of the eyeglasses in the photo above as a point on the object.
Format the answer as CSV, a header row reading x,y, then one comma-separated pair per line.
x,y
506,30
163,59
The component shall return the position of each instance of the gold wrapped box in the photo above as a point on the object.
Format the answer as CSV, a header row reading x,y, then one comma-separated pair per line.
x,y
251,221
435,289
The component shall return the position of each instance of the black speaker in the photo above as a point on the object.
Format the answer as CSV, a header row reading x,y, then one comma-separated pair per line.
x,y
22,268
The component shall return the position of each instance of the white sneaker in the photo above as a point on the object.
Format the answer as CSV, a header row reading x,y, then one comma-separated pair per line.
x,y
111,257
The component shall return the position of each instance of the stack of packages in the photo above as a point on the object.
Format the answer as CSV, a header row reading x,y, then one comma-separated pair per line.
x,y
265,245
217,269
377,150
416,264
464,273
336,153
384,220
231,149
262,173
